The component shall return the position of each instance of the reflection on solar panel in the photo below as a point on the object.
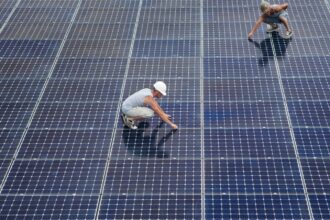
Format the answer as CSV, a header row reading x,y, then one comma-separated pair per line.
x,y
254,126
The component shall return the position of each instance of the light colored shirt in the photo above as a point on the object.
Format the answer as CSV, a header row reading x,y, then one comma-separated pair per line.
x,y
136,100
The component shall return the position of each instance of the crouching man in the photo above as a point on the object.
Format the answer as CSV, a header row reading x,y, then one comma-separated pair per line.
x,y
143,105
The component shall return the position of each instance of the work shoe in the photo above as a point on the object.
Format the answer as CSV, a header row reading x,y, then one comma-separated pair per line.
x,y
128,122
271,28
287,35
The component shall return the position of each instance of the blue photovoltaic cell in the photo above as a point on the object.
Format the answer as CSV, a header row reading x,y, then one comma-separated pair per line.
x,y
15,115
48,207
96,49
237,67
101,31
181,113
241,90
252,176
20,90
313,142
311,30
156,143
4,164
170,4
298,10
317,47
320,205
58,4
170,15
151,207
316,172
168,31
9,140
55,176
223,30
225,4
232,14
33,31
311,113
163,68
106,15
94,68
217,48
305,66
256,206
65,144
17,67
166,48
28,49
43,14
117,4
5,9
101,90
247,143
307,89
75,115
244,114
153,176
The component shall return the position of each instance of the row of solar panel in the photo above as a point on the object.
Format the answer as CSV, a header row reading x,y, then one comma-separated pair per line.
x,y
226,143
180,90
154,176
230,115
157,48
186,207
166,68
145,3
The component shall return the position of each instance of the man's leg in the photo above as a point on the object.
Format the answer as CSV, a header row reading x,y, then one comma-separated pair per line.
x,y
136,114
271,24
284,20
272,27
285,23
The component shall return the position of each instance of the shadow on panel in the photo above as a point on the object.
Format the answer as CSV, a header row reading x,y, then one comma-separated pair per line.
x,y
280,46
143,145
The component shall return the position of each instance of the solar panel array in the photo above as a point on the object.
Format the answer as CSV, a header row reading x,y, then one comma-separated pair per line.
x,y
253,116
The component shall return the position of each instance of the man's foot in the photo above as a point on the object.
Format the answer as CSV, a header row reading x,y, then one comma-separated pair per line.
x,y
271,28
288,34
128,122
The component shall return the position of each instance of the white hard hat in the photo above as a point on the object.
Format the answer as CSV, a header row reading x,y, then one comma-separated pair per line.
x,y
160,86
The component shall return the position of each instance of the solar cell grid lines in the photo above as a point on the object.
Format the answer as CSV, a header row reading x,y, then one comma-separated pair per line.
x,y
253,116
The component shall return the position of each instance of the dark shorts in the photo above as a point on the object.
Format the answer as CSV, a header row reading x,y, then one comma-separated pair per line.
x,y
275,19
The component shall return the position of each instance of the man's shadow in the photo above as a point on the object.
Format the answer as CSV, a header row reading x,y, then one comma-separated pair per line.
x,y
280,46
145,145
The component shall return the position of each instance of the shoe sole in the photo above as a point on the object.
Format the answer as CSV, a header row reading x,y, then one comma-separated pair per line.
x,y
271,31
134,127
287,37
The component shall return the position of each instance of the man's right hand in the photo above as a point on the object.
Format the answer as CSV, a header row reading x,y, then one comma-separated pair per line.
x,y
174,126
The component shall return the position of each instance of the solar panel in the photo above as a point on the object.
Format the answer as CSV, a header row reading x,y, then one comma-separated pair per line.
x,y
253,116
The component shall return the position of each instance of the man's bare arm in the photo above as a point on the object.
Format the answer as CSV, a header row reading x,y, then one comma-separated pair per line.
x,y
256,26
281,7
159,111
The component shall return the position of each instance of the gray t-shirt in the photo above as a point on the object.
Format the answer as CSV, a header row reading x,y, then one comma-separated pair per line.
x,y
136,100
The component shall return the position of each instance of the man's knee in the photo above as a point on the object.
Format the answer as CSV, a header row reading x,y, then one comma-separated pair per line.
x,y
140,112
149,113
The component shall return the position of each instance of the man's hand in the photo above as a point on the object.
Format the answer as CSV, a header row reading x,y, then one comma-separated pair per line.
x,y
174,126
250,35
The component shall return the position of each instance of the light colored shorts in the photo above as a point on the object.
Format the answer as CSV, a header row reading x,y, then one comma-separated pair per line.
x,y
142,112
275,19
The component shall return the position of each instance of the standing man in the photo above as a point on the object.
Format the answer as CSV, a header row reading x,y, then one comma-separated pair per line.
x,y
273,15
136,106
